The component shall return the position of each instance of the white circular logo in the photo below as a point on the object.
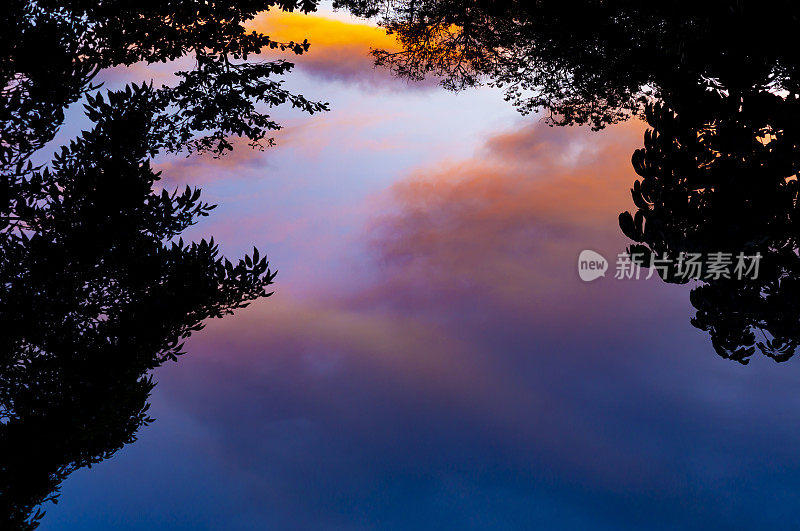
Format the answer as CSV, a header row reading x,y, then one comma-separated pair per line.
x,y
591,265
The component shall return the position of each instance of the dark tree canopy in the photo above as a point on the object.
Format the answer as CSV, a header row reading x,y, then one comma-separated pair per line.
x,y
96,287
594,62
719,174
51,50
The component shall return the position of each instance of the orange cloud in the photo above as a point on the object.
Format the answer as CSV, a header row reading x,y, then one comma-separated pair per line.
x,y
322,31
339,50
509,224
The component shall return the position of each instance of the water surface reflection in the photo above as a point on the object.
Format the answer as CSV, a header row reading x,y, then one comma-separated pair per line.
x,y
453,370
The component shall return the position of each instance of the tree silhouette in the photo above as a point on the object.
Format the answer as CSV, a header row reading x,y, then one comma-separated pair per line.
x,y
50,51
719,174
95,293
596,62
97,288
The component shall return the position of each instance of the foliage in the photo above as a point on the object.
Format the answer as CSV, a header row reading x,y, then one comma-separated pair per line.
x,y
718,174
50,51
596,62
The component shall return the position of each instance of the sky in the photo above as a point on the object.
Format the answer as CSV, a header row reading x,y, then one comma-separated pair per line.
x,y
430,358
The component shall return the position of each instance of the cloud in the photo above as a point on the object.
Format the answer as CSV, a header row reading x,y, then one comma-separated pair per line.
x,y
509,223
340,50
307,137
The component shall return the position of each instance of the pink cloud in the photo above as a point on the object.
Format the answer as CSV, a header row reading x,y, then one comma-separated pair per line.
x,y
509,223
